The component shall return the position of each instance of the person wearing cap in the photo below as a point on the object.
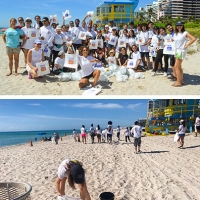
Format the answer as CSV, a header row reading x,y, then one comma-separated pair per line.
x,y
27,42
59,63
73,172
11,39
111,59
137,131
87,63
181,44
59,41
181,133
34,56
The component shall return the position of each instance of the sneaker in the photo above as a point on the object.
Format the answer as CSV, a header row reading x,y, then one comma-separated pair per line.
x,y
153,73
29,76
165,74
139,151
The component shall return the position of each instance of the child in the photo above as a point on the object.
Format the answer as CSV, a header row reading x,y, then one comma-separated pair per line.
x,y
111,60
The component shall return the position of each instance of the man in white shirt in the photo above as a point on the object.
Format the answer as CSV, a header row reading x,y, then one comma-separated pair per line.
x,y
137,130
197,126
75,32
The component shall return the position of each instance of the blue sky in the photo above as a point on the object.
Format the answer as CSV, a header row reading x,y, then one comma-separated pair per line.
x,y
24,8
51,114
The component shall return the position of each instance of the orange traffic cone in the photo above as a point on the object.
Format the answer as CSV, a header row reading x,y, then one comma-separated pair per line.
x,y
31,143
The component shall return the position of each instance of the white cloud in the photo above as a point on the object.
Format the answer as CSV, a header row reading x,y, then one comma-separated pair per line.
x,y
98,105
34,104
134,106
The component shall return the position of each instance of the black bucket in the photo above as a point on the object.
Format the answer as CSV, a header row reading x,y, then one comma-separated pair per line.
x,y
107,196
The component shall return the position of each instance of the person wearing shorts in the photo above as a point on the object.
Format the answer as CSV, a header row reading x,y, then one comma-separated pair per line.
x,y
197,126
181,133
83,134
11,39
181,43
109,132
136,130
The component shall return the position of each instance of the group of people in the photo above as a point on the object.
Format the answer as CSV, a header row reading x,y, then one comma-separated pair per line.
x,y
95,47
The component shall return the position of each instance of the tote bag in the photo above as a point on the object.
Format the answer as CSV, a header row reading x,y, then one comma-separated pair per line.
x,y
93,44
100,43
122,42
112,41
169,48
71,60
43,68
82,35
131,63
33,34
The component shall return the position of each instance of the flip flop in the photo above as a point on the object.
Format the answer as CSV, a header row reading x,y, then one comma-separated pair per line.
x,y
177,85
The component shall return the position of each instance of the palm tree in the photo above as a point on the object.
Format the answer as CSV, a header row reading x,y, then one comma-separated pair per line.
x,y
151,14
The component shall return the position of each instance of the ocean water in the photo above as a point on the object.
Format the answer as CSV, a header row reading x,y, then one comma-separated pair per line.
x,y
20,137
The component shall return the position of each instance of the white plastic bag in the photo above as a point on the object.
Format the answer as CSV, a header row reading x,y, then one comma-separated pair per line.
x,y
123,70
100,43
71,60
121,78
176,137
103,77
76,76
82,35
93,44
131,73
139,75
90,13
67,198
113,67
65,77
131,63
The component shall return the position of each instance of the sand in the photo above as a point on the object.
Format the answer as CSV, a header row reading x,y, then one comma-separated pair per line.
x,y
50,85
162,171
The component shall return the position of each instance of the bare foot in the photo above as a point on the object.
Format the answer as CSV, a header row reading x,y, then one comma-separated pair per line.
x,y
177,84
16,74
8,74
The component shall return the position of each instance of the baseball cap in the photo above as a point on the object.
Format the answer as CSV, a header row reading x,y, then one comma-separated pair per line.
x,y
179,23
58,28
78,174
156,28
106,26
28,19
114,28
38,41
61,53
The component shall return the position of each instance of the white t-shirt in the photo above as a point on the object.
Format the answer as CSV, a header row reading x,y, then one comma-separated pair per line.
x,y
111,60
131,41
62,169
145,35
75,31
127,132
48,33
67,35
59,39
181,129
109,129
91,34
83,130
113,38
36,56
137,56
86,66
60,62
197,121
154,41
74,133
98,131
136,130
180,40
118,129
29,43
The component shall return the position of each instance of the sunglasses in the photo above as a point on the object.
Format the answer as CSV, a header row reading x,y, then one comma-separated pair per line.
x,y
28,21
20,20
38,44
44,21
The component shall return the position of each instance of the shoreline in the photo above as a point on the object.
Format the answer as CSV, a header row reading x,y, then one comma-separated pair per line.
x,y
50,85
154,174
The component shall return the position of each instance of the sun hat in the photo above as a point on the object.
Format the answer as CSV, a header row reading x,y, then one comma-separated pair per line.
x,y
61,53
58,28
78,174
37,41
179,23
114,28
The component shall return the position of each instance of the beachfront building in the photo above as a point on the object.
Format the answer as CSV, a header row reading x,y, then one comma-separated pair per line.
x,y
120,11
163,116
176,8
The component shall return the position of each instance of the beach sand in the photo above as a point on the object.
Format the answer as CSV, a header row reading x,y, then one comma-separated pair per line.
x,y
162,171
50,85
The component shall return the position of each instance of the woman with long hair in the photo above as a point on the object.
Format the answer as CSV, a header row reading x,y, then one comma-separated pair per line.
x,y
98,131
72,171
181,133
11,38
181,43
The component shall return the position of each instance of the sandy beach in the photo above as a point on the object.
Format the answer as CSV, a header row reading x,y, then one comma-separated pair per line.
x,y
162,171
50,85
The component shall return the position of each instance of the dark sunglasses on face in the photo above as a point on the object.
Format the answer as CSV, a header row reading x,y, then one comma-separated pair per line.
x,y
20,20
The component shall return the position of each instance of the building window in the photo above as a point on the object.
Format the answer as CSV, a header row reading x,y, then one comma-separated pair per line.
x,y
118,8
110,9
179,101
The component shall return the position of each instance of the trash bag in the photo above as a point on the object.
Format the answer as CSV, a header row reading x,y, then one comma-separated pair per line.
x,y
103,77
121,78
123,70
131,73
65,77
67,198
139,75
76,76
113,68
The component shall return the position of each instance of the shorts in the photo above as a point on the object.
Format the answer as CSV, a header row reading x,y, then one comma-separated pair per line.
x,y
198,128
83,135
10,50
137,141
181,135
99,136
144,54
109,136
180,54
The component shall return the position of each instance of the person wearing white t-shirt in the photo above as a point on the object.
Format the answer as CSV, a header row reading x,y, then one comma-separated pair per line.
x,y
98,131
75,32
74,133
83,134
38,23
87,65
65,31
181,43
27,43
90,32
144,39
181,133
131,40
197,126
118,132
137,130
58,42
59,63
127,134
72,171
136,56
109,132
